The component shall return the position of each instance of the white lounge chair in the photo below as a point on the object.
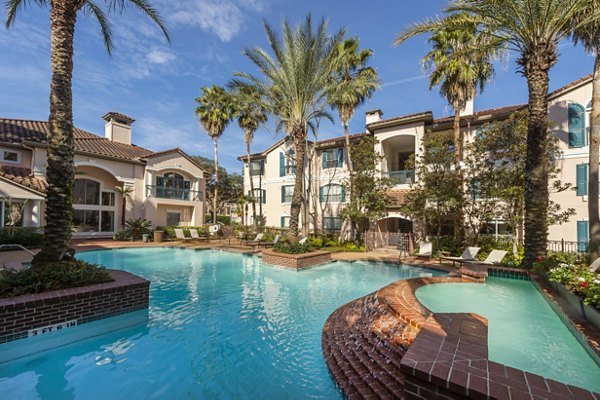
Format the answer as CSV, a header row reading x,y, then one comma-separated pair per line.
x,y
425,250
468,255
180,235
272,243
256,240
595,266
495,257
303,240
195,236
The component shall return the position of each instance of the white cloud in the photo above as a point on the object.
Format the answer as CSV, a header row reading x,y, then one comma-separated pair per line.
x,y
156,134
160,57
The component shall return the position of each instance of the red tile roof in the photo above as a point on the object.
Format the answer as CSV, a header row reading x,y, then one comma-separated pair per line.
x,y
396,197
492,111
425,115
571,85
22,176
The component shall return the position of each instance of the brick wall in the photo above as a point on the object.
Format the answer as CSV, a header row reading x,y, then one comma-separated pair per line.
x,y
20,314
296,261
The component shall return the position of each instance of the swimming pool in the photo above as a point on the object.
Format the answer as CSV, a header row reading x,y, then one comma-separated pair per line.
x,y
524,331
221,325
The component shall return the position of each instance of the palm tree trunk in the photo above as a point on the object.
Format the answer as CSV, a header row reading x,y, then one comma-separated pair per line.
x,y
123,207
60,170
536,163
593,209
216,193
251,184
300,149
458,141
348,149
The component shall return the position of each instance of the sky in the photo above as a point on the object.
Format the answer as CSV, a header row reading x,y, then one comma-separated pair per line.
x,y
156,83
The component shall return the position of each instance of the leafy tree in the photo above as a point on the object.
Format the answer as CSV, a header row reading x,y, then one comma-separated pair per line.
x,y
215,112
588,34
532,28
353,82
366,187
230,185
295,79
60,171
251,112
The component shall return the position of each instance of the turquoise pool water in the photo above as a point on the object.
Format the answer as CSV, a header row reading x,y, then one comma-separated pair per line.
x,y
524,331
221,325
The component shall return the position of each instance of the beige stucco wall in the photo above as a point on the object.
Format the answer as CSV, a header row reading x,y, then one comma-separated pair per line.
x,y
24,157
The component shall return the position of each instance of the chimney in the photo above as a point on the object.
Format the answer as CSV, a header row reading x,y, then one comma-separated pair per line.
x,y
469,108
118,127
373,116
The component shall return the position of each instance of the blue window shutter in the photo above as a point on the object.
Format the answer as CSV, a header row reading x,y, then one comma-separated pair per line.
x,y
282,221
475,190
283,194
250,193
264,196
343,194
576,125
281,164
582,179
321,199
583,235
262,167
323,159
340,157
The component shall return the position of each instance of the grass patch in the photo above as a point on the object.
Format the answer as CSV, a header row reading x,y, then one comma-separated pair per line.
x,y
51,276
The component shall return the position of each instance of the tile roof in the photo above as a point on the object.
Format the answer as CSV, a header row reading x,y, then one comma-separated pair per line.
x,y
571,85
22,176
420,115
396,197
339,138
17,131
491,111
117,115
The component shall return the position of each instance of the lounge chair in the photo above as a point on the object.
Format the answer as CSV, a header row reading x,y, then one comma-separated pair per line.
x,y
195,236
425,250
256,240
303,240
595,266
495,257
267,243
468,255
180,235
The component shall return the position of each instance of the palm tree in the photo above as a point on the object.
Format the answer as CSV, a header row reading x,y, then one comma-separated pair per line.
x,y
532,28
60,170
251,112
215,112
353,83
295,82
125,191
589,35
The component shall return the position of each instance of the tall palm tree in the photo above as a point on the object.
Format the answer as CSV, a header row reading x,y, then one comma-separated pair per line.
x,y
589,36
456,63
295,82
214,112
251,112
353,83
533,29
125,192
60,170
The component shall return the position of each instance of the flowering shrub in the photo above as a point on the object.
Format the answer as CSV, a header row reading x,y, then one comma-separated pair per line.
x,y
579,279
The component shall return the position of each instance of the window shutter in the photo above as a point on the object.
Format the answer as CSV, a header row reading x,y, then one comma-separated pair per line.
x,y
582,179
323,159
282,221
264,196
478,133
340,157
576,125
475,189
583,237
343,194
281,164
250,193
283,194
321,194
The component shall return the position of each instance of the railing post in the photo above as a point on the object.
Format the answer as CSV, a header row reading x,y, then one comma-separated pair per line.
x,y
562,245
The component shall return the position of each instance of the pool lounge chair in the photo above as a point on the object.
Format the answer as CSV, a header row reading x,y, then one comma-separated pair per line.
x,y
468,255
256,240
425,250
181,236
272,243
303,240
495,257
195,236
595,266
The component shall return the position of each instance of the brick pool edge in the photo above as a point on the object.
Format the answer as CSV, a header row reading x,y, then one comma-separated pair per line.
x,y
387,345
296,261
19,315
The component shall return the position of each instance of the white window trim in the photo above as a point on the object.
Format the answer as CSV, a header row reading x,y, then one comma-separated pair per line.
x,y
99,207
18,153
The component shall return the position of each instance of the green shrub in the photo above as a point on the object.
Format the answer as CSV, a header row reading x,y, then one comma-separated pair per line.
x,y
292,248
138,227
51,276
122,236
316,242
170,230
28,237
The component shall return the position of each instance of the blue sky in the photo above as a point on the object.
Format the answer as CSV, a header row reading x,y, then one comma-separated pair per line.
x,y
156,82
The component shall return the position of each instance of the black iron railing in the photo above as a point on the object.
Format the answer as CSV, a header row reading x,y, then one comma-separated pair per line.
x,y
162,192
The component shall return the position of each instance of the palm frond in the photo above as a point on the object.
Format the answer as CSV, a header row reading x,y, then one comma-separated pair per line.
x,y
12,8
105,28
145,7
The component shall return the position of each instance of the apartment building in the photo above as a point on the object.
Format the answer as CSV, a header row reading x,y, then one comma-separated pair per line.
x,y
167,186
399,138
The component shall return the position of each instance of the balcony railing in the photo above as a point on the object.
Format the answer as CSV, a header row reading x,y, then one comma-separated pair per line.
x,y
162,192
402,177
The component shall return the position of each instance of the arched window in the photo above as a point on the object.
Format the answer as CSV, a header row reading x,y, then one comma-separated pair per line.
x,y
173,186
93,208
86,191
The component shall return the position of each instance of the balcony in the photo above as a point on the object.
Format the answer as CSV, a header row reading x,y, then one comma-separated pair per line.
x,y
401,177
162,192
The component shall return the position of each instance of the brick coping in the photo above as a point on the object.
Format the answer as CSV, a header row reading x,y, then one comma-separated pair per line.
x,y
435,353
311,254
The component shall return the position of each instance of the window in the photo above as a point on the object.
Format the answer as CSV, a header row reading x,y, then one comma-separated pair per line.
x,y
332,223
257,167
583,236
285,222
173,186
93,208
108,199
332,194
475,189
577,136
332,158
10,156
286,194
86,191
173,218
13,213
287,163
582,179
86,220
259,194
